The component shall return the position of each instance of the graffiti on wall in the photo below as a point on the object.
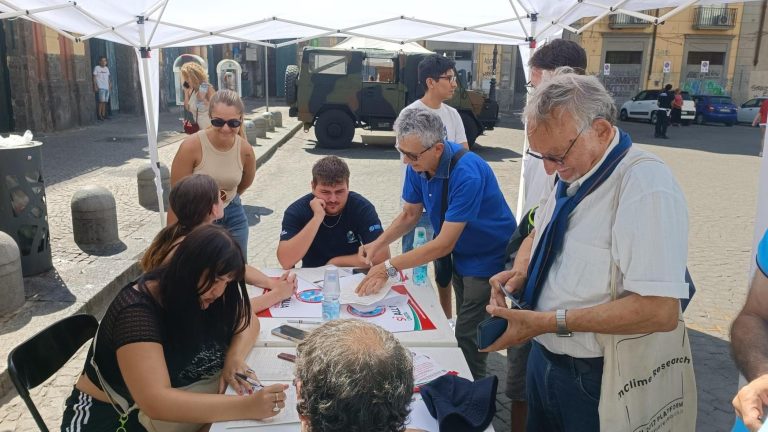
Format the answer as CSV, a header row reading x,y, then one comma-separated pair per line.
x,y
714,87
622,86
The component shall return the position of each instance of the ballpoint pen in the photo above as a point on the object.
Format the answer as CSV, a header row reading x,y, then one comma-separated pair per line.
x,y
254,384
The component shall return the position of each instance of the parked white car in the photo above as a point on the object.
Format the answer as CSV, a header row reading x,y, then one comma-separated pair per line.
x,y
644,105
749,110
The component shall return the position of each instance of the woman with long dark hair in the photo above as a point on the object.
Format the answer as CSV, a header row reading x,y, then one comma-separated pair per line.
x,y
170,343
195,200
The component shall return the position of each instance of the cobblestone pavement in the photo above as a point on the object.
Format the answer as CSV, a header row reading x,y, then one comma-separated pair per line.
x,y
716,166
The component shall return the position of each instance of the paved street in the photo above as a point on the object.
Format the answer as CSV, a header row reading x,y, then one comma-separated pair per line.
x,y
716,166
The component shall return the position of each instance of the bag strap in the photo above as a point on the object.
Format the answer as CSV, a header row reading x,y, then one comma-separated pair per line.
x,y
119,403
444,203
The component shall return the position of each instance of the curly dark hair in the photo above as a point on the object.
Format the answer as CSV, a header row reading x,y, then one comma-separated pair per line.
x,y
355,377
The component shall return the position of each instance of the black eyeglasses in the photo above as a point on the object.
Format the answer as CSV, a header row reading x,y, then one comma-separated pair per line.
x,y
557,160
450,78
222,195
413,157
232,123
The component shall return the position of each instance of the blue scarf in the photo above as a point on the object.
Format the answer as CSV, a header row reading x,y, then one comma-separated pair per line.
x,y
552,238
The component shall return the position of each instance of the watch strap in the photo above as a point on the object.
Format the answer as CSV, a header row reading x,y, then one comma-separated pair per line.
x,y
562,327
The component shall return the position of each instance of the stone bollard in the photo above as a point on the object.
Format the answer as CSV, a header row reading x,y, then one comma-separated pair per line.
x,y
94,217
270,123
277,117
250,131
147,192
11,281
260,127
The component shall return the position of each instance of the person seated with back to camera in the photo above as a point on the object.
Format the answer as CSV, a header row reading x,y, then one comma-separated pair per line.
x,y
185,325
363,381
326,226
196,201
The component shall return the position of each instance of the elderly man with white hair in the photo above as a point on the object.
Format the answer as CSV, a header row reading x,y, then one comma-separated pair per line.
x,y
614,208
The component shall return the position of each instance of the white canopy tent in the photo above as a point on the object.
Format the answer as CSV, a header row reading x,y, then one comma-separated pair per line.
x,y
355,42
151,24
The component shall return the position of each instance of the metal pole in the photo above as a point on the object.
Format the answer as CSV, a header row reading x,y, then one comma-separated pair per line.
x,y
266,76
492,89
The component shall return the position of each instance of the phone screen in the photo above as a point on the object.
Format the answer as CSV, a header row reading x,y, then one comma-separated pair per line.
x,y
290,332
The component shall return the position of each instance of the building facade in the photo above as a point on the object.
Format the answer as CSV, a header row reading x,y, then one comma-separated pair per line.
x,y
695,50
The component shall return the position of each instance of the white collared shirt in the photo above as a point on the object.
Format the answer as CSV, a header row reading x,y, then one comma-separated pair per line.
x,y
648,241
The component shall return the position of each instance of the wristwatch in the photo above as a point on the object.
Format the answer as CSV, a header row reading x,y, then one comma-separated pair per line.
x,y
392,273
562,328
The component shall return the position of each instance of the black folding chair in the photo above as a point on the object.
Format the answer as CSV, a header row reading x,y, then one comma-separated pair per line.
x,y
39,357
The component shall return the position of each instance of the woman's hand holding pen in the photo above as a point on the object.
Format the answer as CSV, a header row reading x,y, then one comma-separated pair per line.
x,y
239,376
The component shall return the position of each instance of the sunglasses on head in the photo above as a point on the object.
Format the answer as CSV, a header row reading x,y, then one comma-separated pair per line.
x,y
232,123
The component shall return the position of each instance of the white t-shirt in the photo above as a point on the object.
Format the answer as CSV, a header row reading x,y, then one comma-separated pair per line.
x,y
538,184
102,76
647,240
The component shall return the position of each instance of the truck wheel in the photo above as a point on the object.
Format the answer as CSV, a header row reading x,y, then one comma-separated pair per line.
x,y
291,75
470,129
334,129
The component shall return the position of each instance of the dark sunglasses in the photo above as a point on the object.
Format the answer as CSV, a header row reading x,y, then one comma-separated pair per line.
x,y
232,123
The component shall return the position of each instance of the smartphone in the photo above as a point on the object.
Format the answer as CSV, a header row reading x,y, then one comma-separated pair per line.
x,y
288,332
360,270
287,357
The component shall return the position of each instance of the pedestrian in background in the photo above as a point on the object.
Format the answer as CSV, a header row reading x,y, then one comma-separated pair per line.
x,y
662,114
677,107
761,119
102,86
197,93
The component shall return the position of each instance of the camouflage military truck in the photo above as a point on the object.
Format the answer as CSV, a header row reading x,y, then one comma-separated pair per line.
x,y
338,90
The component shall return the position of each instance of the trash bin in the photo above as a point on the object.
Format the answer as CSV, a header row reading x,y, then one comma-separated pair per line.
x,y
23,214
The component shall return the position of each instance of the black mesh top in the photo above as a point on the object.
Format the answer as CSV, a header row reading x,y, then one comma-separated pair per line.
x,y
134,316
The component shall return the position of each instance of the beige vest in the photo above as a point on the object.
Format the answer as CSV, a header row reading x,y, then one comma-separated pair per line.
x,y
225,167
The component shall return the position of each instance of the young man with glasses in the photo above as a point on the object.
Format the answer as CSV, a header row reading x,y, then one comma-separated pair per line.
x,y
438,76
474,228
328,225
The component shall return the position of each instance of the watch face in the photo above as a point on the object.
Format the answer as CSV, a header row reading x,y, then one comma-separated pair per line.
x,y
391,272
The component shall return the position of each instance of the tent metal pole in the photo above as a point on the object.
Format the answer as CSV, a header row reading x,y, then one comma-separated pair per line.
x,y
32,11
266,76
149,115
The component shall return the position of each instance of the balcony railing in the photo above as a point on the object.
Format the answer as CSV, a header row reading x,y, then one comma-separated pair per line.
x,y
714,18
620,20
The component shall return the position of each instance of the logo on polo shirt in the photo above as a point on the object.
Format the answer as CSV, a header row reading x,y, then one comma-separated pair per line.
x,y
373,228
351,237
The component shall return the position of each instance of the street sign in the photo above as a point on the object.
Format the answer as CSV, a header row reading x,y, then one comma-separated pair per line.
x,y
705,66
667,66
607,69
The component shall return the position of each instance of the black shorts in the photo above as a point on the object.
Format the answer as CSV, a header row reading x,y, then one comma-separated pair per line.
x,y
444,271
83,413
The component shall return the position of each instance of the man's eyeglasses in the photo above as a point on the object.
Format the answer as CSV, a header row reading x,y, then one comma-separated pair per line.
x,y
412,156
450,78
557,160
222,195
232,123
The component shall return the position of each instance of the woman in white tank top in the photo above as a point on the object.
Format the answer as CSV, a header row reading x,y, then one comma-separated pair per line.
x,y
222,152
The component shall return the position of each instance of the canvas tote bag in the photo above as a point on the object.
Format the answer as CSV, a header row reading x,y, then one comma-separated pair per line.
x,y
648,382
208,385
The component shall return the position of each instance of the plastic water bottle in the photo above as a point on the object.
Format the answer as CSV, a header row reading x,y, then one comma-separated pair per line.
x,y
331,293
420,272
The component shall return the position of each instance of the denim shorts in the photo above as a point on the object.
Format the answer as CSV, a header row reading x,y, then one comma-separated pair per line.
x,y
103,95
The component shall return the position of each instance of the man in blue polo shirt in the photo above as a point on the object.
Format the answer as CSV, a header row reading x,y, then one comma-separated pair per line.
x,y
749,342
327,226
475,229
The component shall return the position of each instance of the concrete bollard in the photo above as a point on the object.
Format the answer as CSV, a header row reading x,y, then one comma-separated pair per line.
x,y
11,280
250,131
277,117
270,123
260,127
145,178
94,217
